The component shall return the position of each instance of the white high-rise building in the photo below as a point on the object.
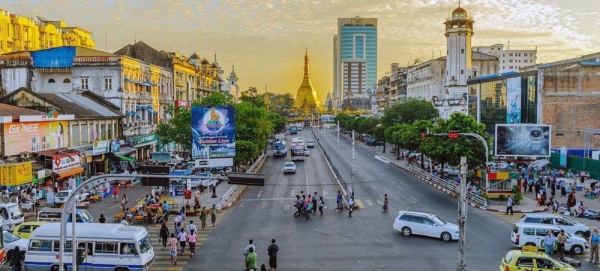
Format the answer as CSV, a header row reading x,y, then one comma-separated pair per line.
x,y
510,60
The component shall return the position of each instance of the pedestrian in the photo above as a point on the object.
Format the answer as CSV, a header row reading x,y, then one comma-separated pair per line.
x,y
571,201
385,203
116,193
315,202
549,243
272,251
191,228
16,259
192,238
561,238
350,206
124,201
251,260
102,219
164,234
213,215
249,246
338,201
594,239
555,207
173,245
182,236
509,205
203,217
321,205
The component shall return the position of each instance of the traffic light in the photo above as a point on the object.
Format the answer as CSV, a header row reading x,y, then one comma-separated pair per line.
x,y
423,135
453,135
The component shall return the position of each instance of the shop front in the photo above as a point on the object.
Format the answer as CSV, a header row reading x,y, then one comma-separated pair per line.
x,y
67,168
144,145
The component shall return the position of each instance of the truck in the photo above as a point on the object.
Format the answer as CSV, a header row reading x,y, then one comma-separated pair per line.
x,y
165,157
279,149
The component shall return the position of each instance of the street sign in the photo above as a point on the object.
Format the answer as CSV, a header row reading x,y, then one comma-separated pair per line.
x,y
247,179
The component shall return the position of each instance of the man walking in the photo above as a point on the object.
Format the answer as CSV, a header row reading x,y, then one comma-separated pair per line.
x,y
315,202
509,205
191,228
571,201
338,201
594,239
350,206
562,238
272,250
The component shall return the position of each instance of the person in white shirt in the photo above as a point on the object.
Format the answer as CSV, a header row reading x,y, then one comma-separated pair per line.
x,y
350,206
124,222
247,248
191,227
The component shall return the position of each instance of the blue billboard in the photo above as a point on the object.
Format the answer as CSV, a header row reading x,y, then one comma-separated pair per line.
x,y
213,132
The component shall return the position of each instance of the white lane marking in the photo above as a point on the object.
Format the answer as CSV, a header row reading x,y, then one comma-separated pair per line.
x,y
400,188
370,203
324,193
373,187
292,193
277,199
381,173
413,198
391,181
259,193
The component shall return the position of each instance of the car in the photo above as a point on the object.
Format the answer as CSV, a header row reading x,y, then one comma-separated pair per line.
x,y
528,234
373,142
289,167
529,258
25,229
306,152
562,223
11,241
419,223
310,143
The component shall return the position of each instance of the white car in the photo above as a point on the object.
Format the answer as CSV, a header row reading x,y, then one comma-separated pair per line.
x,y
289,167
562,223
528,234
310,143
418,223
306,152
11,241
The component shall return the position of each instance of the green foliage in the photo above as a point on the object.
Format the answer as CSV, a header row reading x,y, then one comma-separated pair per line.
x,y
251,96
176,129
280,103
278,121
518,197
410,137
501,197
367,125
218,98
246,151
408,112
252,124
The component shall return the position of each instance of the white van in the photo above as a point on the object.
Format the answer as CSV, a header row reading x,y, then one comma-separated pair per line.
x,y
62,196
55,215
569,226
527,234
11,216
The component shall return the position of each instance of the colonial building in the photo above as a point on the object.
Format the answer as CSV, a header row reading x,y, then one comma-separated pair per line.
x,y
19,33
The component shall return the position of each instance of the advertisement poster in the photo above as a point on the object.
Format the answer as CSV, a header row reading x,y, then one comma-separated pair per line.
x,y
213,132
65,161
34,136
522,140
100,147
115,146
513,94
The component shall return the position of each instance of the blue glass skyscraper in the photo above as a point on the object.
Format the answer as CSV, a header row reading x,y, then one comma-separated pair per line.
x,y
355,59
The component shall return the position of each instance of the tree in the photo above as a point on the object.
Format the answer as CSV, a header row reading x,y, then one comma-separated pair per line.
x,y
251,96
409,112
278,121
245,152
367,125
444,150
280,103
176,129
218,98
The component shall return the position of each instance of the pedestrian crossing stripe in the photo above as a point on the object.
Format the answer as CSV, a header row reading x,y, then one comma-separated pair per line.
x,y
360,204
370,203
379,203
170,268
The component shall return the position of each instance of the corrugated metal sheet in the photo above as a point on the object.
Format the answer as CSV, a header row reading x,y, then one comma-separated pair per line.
x,y
88,103
14,111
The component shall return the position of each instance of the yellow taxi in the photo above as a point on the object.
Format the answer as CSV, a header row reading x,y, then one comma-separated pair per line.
x,y
528,258
25,229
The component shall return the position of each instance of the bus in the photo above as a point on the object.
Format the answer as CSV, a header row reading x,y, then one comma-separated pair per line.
x,y
297,152
119,247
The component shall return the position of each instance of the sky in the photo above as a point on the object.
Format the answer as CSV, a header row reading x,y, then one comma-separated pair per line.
x,y
266,39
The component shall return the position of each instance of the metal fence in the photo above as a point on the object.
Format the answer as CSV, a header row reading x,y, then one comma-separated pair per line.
x,y
256,165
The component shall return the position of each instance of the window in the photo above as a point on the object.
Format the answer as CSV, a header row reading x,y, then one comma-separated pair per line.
x,y
510,54
84,83
525,54
541,232
563,222
524,262
474,73
525,60
528,231
25,229
67,81
56,246
40,245
108,83
462,51
106,247
427,221
510,61
51,80
462,71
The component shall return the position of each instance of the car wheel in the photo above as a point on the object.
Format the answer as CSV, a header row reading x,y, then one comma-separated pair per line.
x,y
406,231
446,236
530,244
576,249
580,233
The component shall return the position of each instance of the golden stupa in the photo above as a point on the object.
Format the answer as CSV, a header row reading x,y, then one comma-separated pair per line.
x,y
306,99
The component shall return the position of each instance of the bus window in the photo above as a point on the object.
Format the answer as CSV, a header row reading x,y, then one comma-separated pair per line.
x,y
106,247
40,245
56,247
128,248
144,244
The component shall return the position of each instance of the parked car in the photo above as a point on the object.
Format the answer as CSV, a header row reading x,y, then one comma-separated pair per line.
x,y
289,167
373,142
528,234
562,223
418,223
532,260
25,229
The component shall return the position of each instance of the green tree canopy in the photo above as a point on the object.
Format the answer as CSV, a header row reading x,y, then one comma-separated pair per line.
x,y
176,129
409,112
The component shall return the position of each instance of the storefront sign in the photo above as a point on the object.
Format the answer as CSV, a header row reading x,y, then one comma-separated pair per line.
x,y
101,147
16,174
115,146
65,161
34,136
179,103
52,116
143,139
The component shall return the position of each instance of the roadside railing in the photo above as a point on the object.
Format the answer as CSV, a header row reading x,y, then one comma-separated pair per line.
x,y
256,165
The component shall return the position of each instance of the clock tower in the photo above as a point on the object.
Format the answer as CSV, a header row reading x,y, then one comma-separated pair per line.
x,y
459,30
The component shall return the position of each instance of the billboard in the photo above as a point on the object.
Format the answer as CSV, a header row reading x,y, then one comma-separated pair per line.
x,y
213,132
34,136
522,140
100,147
64,161
513,95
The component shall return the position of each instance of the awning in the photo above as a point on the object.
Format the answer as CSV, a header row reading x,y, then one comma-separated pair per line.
x,y
125,150
69,172
126,158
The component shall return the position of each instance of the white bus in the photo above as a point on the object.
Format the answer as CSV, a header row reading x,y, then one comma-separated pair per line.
x,y
108,246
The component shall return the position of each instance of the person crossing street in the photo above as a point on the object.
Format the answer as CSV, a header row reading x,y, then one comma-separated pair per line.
x,y
509,205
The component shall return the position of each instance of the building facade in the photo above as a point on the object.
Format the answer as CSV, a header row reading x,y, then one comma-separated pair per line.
x,y
510,60
355,45
19,33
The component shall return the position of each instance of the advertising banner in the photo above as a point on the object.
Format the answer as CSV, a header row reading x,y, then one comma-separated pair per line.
x,y
513,94
213,132
522,140
115,146
34,136
16,174
101,147
65,161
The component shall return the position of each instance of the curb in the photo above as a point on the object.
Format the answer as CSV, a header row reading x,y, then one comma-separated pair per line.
x,y
454,195
235,198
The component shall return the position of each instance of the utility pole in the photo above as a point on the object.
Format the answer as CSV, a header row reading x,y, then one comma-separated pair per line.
x,y
462,214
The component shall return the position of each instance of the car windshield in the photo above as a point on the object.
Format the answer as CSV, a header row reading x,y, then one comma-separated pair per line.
x,y
63,194
144,244
9,237
438,221
86,216
508,257
14,210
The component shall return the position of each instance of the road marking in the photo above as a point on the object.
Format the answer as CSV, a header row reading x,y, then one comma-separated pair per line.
x,y
292,194
373,187
413,198
277,199
380,202
381,173
391,181
360,204
324,193
400,188
259,193
370,203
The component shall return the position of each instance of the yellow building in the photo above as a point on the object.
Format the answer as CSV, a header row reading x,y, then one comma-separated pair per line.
x,y
19,33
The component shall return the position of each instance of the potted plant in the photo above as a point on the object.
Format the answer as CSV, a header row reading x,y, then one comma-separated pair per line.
x,y
501,198
518,198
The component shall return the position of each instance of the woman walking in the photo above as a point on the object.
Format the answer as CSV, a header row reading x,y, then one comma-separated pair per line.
x,y
164,234
182,240
321,204
385,203
192,238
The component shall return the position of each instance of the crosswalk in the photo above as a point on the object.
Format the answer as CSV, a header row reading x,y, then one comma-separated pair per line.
x,y
162,257
584,257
